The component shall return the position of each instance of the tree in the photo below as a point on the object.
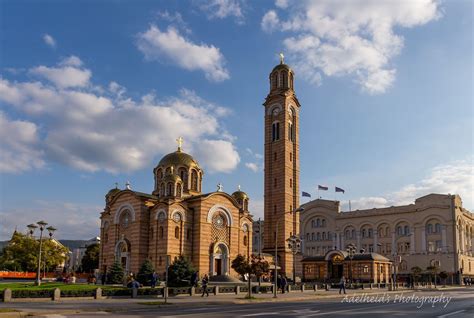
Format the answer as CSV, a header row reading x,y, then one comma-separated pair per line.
x,y
416,272
179,273
90,260
443,275
21,254
115,274
255,266
145,272
432,270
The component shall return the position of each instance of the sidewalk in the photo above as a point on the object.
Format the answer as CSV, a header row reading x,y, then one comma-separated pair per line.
x,y
77,305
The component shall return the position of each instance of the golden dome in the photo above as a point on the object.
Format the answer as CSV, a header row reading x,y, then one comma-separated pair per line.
x,y
177,159
240,195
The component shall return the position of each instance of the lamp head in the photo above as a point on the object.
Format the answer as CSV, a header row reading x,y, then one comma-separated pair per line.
x,y
41,224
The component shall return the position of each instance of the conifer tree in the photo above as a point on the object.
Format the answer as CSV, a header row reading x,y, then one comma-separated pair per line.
x,y
115,274
145,272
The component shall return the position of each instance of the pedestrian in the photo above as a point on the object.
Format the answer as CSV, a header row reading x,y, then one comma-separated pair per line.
x,y
342,285
204,282
104,278
284,282
154,279
194,279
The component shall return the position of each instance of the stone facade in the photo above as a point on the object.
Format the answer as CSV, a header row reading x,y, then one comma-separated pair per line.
x,y
281,181
436,229
210,230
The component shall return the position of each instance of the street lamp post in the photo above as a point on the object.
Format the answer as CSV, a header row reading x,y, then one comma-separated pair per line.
x,y
300,209
351,249
42,226
294,244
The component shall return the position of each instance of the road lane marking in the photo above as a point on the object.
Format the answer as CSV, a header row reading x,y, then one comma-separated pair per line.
x,y
260,314
451,313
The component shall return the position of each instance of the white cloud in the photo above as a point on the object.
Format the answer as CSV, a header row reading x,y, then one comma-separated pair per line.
x,y
19,149
348,38
170,45
220,9
218,155
252,166
90,131
49,40
270,21
72,220
67,74
256,207
456,177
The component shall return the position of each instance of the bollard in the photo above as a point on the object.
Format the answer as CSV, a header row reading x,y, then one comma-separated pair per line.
x,y
165,292
216,290
56,294
134,292
98,293
370,285
315,287
7,295
237,290
302,288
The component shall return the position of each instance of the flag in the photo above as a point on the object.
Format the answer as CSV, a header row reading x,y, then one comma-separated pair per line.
x,y
306,194
339,190
320,187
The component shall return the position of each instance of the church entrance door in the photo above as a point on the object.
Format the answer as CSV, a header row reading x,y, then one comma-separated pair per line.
x,y
218,266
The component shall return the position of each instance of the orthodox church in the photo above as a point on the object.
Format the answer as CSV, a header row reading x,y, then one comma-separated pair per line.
x,y
176,219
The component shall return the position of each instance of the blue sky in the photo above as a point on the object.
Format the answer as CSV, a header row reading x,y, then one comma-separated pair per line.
x,y
96,92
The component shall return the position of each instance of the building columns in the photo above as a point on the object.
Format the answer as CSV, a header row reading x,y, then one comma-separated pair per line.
x,y
394,247
443,239
423,240
358,241
376,241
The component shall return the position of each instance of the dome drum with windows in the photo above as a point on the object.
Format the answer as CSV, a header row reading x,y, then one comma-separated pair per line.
x,y
177,175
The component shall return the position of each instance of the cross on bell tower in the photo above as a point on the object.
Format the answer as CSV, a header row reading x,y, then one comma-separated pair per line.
x,y
281,165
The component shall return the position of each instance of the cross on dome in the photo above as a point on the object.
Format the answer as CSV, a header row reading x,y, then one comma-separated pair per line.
x,y
180,143
281,58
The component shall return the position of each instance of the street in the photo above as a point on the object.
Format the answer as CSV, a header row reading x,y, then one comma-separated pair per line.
x,y
461,304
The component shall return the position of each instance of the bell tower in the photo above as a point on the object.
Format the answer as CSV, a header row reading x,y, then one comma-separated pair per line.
x,y
282,165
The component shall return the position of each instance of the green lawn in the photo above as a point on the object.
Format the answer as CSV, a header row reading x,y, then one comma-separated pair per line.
x,y
62,286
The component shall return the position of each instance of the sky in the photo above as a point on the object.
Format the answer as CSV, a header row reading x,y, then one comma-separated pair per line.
x,y
94,93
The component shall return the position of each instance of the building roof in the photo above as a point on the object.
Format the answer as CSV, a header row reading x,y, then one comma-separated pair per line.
x,y
178,158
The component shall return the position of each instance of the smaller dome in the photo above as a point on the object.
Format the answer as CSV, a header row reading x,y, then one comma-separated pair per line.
x,y
240,195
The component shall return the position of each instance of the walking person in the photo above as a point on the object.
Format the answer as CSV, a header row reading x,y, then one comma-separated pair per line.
x,y
154,279
204,282
284,282
342,285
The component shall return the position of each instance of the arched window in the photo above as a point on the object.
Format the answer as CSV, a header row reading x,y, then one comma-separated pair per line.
x,y
161,232
318,222
291,80
274,80
324,236
170,189
429,228
348,233
364,233
194,180
176,232
160,173
406,230
370,233
245,240
290,131
318,236
329,235
312,236
307,236
162,190
312,223
178,190
275,131
125,219
352,233
399,230
284,79
438,228
323,223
